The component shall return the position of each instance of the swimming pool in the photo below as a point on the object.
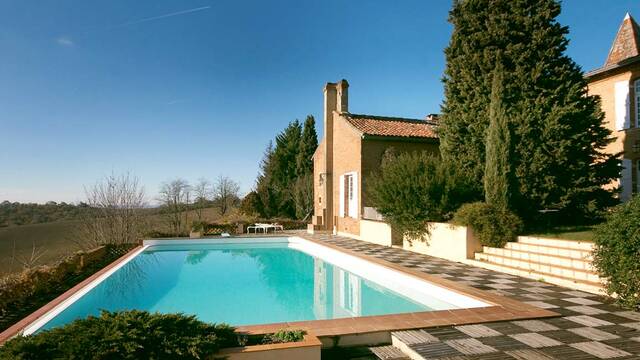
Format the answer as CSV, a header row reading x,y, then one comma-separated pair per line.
x,y
248,281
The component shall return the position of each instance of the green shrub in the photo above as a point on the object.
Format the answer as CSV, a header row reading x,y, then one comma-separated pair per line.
x,y
284,336
24,292
414,188
198,226
616,254
124,335
493,226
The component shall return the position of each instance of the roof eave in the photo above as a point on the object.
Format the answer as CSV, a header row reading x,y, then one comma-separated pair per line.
x,y
401,138
605,69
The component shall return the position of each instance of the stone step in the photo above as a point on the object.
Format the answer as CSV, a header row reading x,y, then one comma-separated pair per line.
x,y
542,268
588,286
411,340
388,352
565,261
559,243
419,345
550,250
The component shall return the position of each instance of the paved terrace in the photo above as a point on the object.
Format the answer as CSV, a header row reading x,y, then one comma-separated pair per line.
x,y
588,326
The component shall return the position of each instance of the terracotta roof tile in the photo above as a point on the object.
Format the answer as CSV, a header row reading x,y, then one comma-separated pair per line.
x,y
627,42
391,126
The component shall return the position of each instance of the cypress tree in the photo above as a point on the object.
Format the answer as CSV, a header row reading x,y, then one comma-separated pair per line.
x,y
497,174
557,133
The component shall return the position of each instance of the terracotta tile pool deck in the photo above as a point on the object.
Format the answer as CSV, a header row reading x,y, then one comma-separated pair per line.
x,y
586,326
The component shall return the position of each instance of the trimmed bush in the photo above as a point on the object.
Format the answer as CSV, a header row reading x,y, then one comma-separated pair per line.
x,y
124,335
284,336
493,226
414,188
616,255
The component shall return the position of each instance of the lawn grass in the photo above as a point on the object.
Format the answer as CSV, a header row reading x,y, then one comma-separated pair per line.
x,y
574,233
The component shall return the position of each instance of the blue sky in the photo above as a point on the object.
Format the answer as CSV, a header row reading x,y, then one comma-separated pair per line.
x,y
191,89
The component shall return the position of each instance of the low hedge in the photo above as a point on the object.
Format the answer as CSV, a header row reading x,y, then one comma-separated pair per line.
x,y
213,229
232,228
124,335
137,335
284,336
24,292
616,254
491,225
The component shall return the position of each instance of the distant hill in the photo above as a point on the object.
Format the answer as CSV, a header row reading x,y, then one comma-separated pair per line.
x,y
14,213
54,240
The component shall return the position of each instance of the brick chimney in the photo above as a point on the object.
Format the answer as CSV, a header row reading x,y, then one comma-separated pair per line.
x,y
433,118
336,99
342,100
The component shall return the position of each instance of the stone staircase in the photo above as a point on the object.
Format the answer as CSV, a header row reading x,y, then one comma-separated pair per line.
x,y
561,262
418,345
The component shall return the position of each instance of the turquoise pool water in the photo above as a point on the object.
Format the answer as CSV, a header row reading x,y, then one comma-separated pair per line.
x,y
239,284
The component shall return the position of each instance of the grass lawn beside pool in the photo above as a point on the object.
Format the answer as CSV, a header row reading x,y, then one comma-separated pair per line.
x,y
575,233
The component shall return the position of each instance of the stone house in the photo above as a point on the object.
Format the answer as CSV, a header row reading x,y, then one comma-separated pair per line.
x,y
350,153
618,85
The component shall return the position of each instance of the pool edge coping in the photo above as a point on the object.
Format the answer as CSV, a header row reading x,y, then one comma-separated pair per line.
x,y
77,290
503,309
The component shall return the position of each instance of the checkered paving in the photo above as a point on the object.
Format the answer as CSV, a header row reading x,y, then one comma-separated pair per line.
x,y
589,326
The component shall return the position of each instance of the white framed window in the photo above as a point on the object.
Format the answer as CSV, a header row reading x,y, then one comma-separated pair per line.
x,y
621,101
636,97
349,195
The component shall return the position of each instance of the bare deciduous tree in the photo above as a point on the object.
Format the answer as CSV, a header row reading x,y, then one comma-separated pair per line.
x,y
115,215
174,198
202,193
31,260
225,194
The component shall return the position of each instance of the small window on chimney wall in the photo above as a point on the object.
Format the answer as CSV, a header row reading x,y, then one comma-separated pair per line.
x,y
320,200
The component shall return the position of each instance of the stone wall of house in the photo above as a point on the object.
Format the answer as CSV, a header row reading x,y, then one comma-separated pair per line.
x,y
319,184
606,85
347,144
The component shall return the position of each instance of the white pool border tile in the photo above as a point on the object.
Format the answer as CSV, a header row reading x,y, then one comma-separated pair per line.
x,y
405,284
34,326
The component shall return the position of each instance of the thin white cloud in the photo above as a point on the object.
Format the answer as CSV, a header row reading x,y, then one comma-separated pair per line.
x,y
177,13
176,101
65,41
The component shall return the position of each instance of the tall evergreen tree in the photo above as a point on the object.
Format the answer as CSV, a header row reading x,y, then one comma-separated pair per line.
x,y
557,133
285,171
284,185
308,145
303,187
268,203
497,174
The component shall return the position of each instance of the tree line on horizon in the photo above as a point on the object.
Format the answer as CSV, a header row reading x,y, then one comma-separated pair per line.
x,y
16,213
